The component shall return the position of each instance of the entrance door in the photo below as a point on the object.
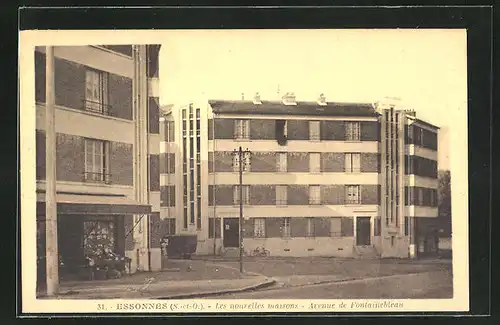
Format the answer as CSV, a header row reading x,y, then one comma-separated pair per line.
x,y
363,228
231,232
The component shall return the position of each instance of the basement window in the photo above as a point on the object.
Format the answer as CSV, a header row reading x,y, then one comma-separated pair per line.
x,y
281,132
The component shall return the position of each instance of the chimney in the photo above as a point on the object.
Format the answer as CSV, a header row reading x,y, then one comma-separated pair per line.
x,y
322,100
411,112
242,96
256,99
289,99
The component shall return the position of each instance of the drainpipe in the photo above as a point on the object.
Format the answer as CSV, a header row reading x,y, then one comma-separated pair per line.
x,y
213,187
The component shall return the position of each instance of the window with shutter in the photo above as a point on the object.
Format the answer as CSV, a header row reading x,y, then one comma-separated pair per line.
x,y
314,194
353,196
314,130
259,227
314,162
281,195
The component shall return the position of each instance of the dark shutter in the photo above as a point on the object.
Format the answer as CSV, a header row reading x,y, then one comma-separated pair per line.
x,y
248,228
273,227
321,227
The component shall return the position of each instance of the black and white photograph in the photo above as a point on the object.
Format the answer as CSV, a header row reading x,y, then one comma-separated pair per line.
x,y
244,170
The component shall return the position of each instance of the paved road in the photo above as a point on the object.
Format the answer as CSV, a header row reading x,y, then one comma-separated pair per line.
x,y
433,285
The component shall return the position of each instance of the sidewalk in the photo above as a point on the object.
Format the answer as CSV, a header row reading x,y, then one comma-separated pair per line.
x,y
182,279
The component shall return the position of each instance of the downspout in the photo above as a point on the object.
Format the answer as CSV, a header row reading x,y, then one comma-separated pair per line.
x,y
148,157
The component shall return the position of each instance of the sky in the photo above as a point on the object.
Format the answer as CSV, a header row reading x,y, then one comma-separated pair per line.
x,y
426,69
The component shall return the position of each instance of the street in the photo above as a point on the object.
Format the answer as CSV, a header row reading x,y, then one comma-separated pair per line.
x,y
428,285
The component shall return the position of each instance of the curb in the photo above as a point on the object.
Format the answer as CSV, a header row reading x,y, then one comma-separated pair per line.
x,y
220,292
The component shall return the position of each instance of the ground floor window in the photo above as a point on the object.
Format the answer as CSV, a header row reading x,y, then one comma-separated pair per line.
x,y
285,227
259,228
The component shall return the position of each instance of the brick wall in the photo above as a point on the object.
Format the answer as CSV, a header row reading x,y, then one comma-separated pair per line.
x,y
223,194
154,115
347,227
273,227
333,194
154,172
369,162
167,163
333,130
70,157
370,131
321,227
262,129
40,154
298,195
69,83
40,76
223,161
370,194
332,162
263,162
298,129
167,196
223,128
262,195
120,96
298,162
121,163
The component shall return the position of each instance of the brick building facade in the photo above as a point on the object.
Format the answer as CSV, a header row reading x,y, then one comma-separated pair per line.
x,y
315,181
107,131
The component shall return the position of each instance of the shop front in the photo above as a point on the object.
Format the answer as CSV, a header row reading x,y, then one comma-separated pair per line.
x,y
91,231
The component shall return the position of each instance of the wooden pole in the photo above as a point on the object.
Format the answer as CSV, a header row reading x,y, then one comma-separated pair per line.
x,y
52,253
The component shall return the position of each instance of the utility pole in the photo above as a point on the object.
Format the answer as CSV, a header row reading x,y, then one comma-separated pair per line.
x,y
241,160
52,252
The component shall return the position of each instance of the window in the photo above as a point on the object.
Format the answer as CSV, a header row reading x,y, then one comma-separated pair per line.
x,y
352,162
410,134
310,227
352,131
170,226
246,162
96,91
245,194
96,161
314,194
281,195
352,194
377,227
259,227
336,227
241,129
314,130
314,162
407,226
281,162
285,227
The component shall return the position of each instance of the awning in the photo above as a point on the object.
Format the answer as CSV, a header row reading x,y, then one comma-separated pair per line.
x,y
85,204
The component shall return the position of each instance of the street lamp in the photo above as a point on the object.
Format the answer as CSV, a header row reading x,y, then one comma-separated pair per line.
x,y
240,161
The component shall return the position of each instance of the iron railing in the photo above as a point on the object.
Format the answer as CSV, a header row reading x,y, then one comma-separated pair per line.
x,y
97,177
96,107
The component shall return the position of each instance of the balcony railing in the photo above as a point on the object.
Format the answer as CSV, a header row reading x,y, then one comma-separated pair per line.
x,y
92,177
96,107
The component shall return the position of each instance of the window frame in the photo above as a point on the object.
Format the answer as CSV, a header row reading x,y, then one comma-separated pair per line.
x,y
241,129
350,163
282,198
282,161
316,170
286,231
245,196
356,193
103,172
259,232
317,189
353,131
312,130
310,229
93,104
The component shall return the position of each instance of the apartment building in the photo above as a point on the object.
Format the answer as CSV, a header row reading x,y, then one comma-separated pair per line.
x,y
319,178
107,157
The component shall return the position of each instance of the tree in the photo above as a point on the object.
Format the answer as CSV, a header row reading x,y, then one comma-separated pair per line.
x,y
444,202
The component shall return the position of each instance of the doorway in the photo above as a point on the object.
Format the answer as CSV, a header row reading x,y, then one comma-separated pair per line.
x,y
231,232
363,231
